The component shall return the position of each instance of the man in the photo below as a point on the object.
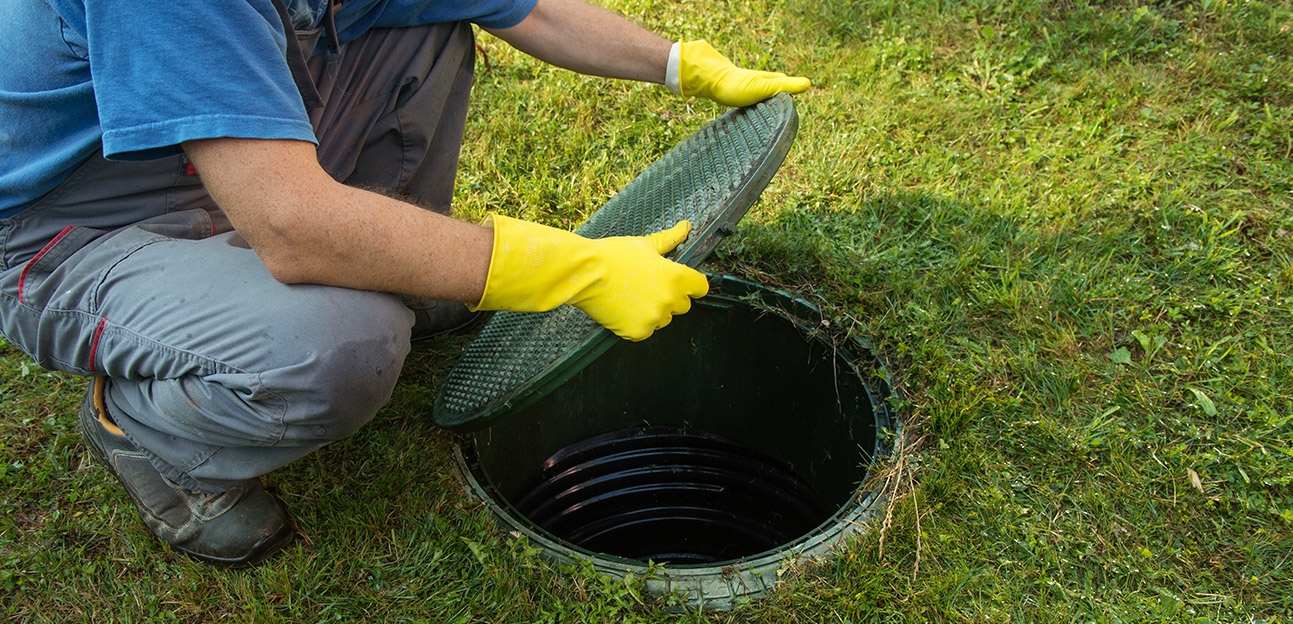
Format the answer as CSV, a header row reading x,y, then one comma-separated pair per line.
x,y
184,218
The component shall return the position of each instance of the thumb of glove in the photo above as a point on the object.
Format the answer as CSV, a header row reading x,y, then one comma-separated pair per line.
x,y
665,241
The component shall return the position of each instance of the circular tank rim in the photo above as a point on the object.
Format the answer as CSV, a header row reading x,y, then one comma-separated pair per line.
x,y
721,585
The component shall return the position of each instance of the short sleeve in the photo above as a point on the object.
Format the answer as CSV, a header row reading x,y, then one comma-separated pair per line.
x,y
166,72
357,16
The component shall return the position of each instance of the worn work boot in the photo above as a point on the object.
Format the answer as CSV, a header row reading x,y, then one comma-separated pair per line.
x,y
238,527
436,317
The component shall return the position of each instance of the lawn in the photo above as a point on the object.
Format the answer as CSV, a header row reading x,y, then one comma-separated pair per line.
x,y
1066,226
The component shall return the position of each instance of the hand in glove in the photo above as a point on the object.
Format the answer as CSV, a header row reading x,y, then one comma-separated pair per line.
x,y
623,282
696,68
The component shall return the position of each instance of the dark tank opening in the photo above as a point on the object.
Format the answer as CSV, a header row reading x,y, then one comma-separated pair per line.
x,y
670,494
733,432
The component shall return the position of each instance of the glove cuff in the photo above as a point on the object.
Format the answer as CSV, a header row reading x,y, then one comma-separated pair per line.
x,y
493,261
534,267
672,72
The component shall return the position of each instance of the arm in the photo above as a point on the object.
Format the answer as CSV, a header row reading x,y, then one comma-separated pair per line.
x,y
307,228
591,40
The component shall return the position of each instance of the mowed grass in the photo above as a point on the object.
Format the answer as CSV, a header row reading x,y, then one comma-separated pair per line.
x,y
1065,226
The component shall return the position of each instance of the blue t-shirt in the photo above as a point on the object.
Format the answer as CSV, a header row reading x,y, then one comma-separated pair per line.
x,y
138,78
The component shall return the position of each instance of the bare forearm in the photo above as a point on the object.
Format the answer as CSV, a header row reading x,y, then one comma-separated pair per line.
x,y
590,40
309,229
362,240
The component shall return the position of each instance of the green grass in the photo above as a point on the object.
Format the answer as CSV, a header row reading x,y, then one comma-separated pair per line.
x,y
1066,225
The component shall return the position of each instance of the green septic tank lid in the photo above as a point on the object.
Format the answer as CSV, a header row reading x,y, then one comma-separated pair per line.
x,y
711,179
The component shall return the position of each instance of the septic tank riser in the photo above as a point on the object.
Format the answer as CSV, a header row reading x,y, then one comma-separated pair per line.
x,y
716,369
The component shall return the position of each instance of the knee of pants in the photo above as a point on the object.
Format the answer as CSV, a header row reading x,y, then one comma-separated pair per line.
x,y
343,382
340,355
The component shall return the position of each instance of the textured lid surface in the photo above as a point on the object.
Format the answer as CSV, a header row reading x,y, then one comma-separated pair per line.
x,y
711,179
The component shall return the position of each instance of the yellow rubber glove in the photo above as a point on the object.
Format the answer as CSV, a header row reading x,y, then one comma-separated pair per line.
x,y
703,71
622,282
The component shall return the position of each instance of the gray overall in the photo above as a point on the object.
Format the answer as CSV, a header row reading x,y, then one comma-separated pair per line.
x,y
221,373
